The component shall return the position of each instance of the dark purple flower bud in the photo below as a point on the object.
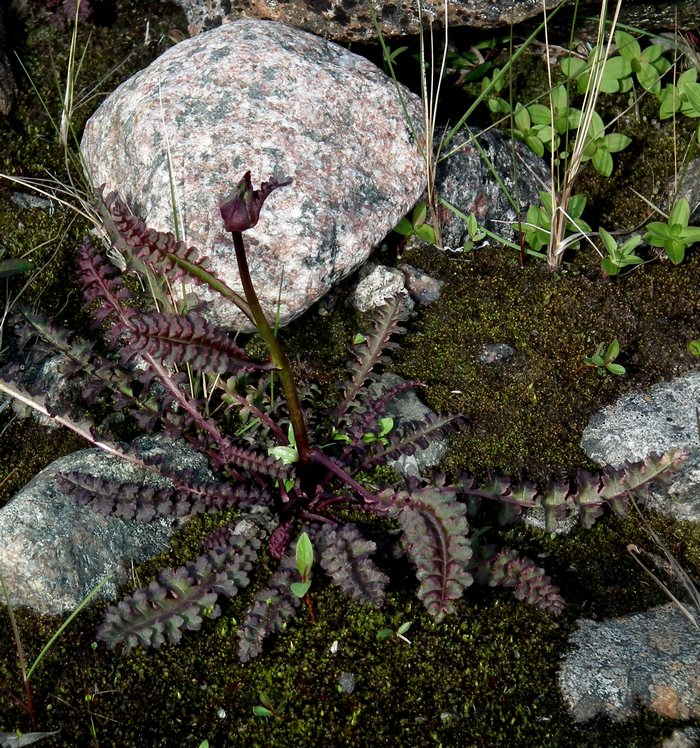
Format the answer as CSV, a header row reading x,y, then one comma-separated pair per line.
x,y
241,209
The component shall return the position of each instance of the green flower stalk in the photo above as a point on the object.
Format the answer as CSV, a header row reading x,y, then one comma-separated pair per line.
x,y
240,212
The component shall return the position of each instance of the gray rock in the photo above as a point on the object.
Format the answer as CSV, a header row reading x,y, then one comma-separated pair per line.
x,y
649,658
379,284
655,421
53,552
465,181
349,21
423,288
405,408
261,96
686,737
494,353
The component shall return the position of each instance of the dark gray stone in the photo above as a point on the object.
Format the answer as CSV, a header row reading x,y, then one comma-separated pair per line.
x,y
495,353
346,21
465,181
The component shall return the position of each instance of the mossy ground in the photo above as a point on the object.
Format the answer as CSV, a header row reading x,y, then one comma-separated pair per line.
x,y
483,677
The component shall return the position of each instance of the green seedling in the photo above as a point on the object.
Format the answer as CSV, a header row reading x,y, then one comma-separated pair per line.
x,y
619,256
305,560
397,629
385,424
535,136
616,76
604,359
694,347
416,225
288,453
474,233
674,236
599,146
267,709
683,97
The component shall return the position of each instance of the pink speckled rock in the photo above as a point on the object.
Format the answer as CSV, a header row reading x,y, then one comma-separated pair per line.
x,y
263,96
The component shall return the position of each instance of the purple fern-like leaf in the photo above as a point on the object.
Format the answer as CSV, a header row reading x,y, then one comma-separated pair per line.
x,y
529,582
160,251
184,339
345,557
435,529
272,607
371,351
181,598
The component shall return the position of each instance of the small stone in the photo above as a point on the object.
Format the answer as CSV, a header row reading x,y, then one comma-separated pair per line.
x,y
423,288
379,285
495,353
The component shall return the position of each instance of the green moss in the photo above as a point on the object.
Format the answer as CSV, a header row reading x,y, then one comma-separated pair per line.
x,y
485,676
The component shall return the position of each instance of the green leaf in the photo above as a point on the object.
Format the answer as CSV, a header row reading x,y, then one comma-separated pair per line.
x,y
300,588
694,347
615,69
304,555
610,266
692,92
657,234
690,235
680,213
616,142
384,633
426,233
385,425
404,227
613,351
14,267
577,204
521,118
540,114
649,78
499,106
404,627
419,214
608,241
627,45
262,711
675,251
616,369
602,162
286,455
572,67
359,338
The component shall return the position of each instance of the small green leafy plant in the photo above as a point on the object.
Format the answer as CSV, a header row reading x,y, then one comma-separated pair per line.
x,y
674,235
416,225
304,555
266,707
397,629
619,256
604,359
